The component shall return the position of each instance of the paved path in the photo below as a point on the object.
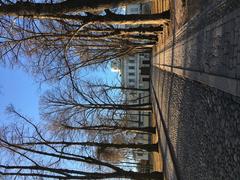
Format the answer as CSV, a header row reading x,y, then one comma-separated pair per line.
x,y
203,125
196,75
206,48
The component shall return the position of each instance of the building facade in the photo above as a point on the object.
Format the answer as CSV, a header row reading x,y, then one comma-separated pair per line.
x,y
134,71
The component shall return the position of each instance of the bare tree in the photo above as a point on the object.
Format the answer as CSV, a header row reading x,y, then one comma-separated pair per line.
x,y
54,47
110,154
67,9
38,168
57,35
113,86
35,154
20,8
66,127
76,101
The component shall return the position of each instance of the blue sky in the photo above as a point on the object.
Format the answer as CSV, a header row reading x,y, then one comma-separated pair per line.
x,y
19,88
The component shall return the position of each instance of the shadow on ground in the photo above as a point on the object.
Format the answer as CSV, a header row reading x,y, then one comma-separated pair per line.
x,y
203,124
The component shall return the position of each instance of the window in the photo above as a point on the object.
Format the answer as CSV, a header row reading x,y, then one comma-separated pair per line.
x,y
131,74
131,80
132,93
147,56
131,61
131,67
145,62
146,79
145,70
134,9
141,54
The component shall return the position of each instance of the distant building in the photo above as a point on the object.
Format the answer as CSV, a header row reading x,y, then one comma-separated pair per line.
x,y
135,73
144,8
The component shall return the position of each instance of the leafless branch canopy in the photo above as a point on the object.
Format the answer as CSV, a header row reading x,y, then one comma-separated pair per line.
x,y
72,35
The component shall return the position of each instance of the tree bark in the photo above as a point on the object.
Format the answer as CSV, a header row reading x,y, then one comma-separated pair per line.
x,y
136,107
146,147
151,130
129,19
29,8
126,107
143,176
108,87
79,174
133,30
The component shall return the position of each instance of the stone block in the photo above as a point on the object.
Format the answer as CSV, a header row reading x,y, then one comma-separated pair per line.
x,y
238,71
238,89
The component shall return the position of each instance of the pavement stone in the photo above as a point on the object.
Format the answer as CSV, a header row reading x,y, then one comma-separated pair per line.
x,y
208,43
203,124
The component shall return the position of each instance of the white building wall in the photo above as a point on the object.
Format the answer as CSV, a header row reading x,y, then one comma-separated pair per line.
x,y
130,70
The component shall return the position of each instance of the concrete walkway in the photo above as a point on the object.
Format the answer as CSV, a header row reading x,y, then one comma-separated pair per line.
x,y
206,48
196,79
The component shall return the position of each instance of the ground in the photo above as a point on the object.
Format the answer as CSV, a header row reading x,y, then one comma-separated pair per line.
x,y
203,124
199,127
156,158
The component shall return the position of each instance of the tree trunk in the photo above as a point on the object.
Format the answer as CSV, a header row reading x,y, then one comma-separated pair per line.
x,y
80,174
134,30
108,87
151,130
129,19
126,107
146,147
143,176
29,8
